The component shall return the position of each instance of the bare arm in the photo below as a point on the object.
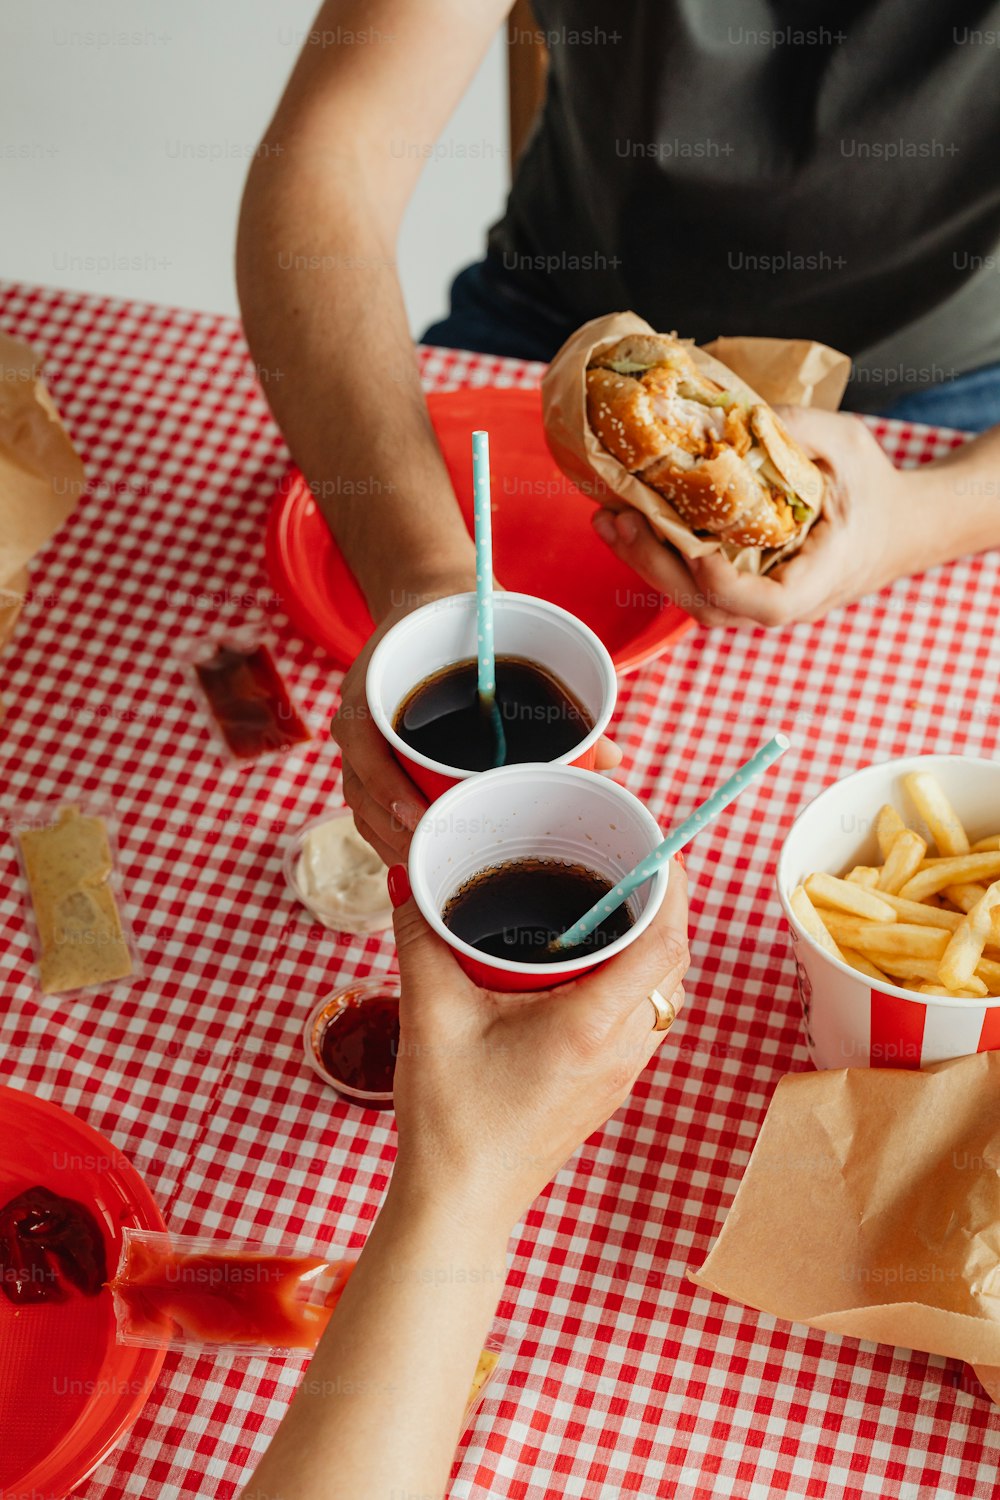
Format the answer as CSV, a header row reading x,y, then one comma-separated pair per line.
x,y
382,1404
320,296
492,1095
957,500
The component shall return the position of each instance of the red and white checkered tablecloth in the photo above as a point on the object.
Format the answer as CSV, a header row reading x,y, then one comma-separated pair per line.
x,y
620,1377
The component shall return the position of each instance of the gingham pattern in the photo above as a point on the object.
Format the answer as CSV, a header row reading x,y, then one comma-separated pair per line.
x,y
620,1377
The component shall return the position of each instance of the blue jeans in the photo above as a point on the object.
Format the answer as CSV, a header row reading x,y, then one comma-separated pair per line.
x,y
491,315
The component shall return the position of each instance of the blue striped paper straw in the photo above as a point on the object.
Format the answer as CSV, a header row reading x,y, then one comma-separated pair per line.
x,y
647,868
485,651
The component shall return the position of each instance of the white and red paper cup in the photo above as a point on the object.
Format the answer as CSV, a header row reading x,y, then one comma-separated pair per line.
x,y
444,632
533,812
849,1020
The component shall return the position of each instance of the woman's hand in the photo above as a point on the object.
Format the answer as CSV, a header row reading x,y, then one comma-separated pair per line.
x,y
872,531
386,804
493,1092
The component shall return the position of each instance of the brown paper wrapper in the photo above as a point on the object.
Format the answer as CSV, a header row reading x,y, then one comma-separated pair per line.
x,y
787,372
871,1207
778,371
41,476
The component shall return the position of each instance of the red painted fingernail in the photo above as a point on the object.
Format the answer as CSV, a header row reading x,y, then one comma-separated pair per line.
x,y
680,860
399,885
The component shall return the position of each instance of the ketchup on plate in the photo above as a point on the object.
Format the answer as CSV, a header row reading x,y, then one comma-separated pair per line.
x,y
49,1247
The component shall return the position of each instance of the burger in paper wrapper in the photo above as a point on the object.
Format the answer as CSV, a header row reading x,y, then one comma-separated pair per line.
x,y
642,419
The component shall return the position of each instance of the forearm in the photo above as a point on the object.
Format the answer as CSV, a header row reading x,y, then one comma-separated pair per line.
x,y
381,1407
953,505
326,324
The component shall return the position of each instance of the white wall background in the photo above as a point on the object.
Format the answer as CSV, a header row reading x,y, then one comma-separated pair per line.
x,y
126,127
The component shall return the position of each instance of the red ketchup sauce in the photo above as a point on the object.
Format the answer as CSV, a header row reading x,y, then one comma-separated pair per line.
x,y
250,702
49,1248
359,1044
236,1298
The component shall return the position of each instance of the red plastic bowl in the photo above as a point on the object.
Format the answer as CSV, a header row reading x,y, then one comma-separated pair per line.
x,y
68,1391
542,540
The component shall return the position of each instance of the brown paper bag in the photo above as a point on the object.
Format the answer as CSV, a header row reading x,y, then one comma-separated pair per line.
x,y
41,477
871,1207
792,371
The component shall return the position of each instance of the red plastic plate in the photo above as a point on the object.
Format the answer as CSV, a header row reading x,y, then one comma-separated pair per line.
x,y
542,541
67,1391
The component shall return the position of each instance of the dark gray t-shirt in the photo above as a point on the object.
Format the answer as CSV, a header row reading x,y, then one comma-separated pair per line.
x,y
808,170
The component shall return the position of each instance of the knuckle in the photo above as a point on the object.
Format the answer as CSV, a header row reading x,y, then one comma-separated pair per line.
x,y
674,954
587,1039
776,615
712,617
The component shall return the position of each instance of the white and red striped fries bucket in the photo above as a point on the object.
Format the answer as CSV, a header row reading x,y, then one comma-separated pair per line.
x,y
849,1022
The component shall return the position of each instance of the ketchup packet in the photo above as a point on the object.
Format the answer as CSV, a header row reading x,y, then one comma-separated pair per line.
x,y
238,1297
243,1296
249,707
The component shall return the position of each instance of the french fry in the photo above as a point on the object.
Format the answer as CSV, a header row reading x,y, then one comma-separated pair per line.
x,y
921,912
928,922
888,826
902,862
900,966
988,970
811,920
965,947
864,965
976,991
882,940
964,896
927,795
827,890
950,872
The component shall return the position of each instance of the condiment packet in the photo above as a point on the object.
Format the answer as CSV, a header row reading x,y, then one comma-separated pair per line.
x,y
871,1207
67,853
246,702
238,1297
791,371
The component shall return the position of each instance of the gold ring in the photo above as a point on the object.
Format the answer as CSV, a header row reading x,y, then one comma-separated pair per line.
x,y
665,1013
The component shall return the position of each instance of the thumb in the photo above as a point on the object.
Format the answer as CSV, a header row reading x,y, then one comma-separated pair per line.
x,y
812,426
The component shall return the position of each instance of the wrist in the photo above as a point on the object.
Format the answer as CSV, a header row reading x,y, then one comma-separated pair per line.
x,y
408,588
954,506
408,591
917,522
428,1214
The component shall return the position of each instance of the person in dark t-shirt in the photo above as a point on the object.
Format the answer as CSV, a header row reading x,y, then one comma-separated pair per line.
x,y
791,168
